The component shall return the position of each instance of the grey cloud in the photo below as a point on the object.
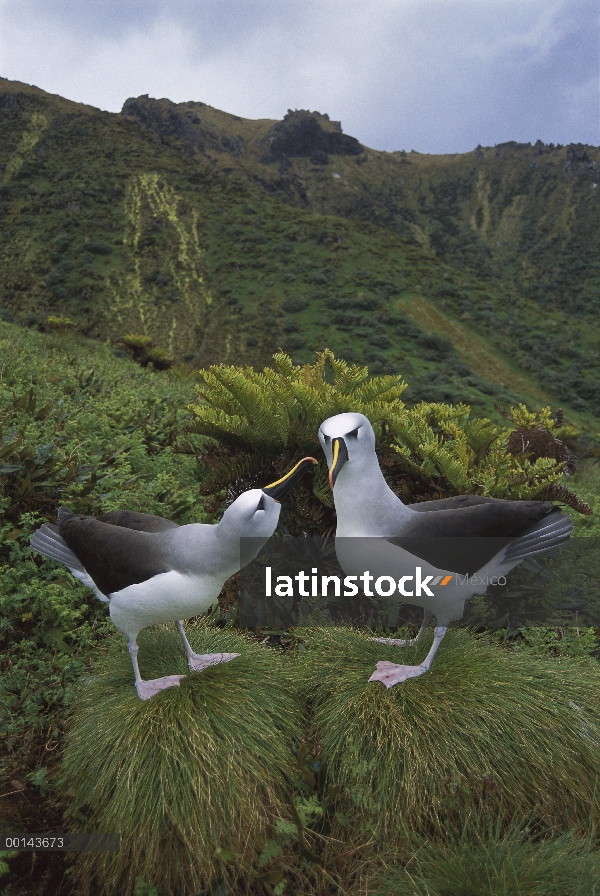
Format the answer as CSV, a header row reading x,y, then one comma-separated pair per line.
x,y
433,75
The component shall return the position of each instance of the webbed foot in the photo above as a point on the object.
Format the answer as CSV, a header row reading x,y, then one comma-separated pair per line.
x,y
395,642
390,674
147,689
198,662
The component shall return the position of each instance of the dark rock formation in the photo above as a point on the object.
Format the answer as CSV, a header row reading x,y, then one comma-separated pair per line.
x,y
578,160
234,145
8,101
163,119
302,134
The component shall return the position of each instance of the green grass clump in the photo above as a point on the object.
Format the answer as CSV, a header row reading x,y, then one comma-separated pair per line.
x,y
482,861
190,778
484,727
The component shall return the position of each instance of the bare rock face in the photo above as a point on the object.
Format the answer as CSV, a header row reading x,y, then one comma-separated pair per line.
x,y
165,120
301,133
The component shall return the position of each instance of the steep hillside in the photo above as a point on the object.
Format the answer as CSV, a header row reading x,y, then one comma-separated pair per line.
x,y
223,238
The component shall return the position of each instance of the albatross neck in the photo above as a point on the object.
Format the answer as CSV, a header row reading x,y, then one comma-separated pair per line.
x,y
364,503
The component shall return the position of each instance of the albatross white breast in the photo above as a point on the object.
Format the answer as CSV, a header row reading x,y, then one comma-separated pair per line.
x,y
151,570
454,540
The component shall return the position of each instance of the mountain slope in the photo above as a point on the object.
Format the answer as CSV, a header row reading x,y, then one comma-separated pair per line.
x,y
223,238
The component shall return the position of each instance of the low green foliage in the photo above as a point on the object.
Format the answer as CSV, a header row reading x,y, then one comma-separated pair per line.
x,y
60,324
482,860
264,421
5,856
586,481
511,731
147,354
82,428
445,447
195,774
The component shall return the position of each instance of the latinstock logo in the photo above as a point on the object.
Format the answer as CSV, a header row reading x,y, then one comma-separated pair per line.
x,y
385,586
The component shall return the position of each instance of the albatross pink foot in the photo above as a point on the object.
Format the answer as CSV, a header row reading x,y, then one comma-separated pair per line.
x,y
147,689
198,662
390,674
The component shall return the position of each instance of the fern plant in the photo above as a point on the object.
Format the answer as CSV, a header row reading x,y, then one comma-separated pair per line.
x,y
260,423
255,425
444,449
60,324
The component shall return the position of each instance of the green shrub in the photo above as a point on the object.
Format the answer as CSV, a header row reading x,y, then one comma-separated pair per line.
x,y
443,447
146,354
262,422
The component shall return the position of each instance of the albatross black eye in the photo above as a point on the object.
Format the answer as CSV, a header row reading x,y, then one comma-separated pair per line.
x,y
354,433
327,438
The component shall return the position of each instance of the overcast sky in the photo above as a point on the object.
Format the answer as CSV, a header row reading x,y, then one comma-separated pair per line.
x,y
431,75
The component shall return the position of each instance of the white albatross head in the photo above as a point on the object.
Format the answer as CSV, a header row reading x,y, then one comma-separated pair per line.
x,y
347,439
253,515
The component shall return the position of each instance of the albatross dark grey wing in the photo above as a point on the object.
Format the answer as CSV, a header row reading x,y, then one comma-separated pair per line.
x,y
466,539
498,519
456,502
141,522
113,556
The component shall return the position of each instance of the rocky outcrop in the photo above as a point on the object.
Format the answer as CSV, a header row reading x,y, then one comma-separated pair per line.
x,y
234,145
8,101
578,160
301,133
164,120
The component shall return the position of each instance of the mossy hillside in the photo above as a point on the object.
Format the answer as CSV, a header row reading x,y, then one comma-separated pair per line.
x,y
516,226
521,215
137,229
210,269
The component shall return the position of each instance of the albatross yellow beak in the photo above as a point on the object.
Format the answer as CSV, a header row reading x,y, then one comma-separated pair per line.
x,y
340,456
280,488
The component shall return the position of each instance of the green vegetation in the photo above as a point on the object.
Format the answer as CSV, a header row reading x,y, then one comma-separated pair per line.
x,y
260,423
484,862
195,775
172,222
424,757
209,257
80,427
83,426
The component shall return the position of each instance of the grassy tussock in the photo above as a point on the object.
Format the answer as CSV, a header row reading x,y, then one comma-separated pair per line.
x,y
482,861
198,768
484,728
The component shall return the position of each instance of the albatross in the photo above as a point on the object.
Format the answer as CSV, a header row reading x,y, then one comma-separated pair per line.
x,y
150,570
439,552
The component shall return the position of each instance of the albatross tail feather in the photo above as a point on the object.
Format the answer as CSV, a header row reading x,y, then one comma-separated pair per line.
x,y
48,542
551,532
